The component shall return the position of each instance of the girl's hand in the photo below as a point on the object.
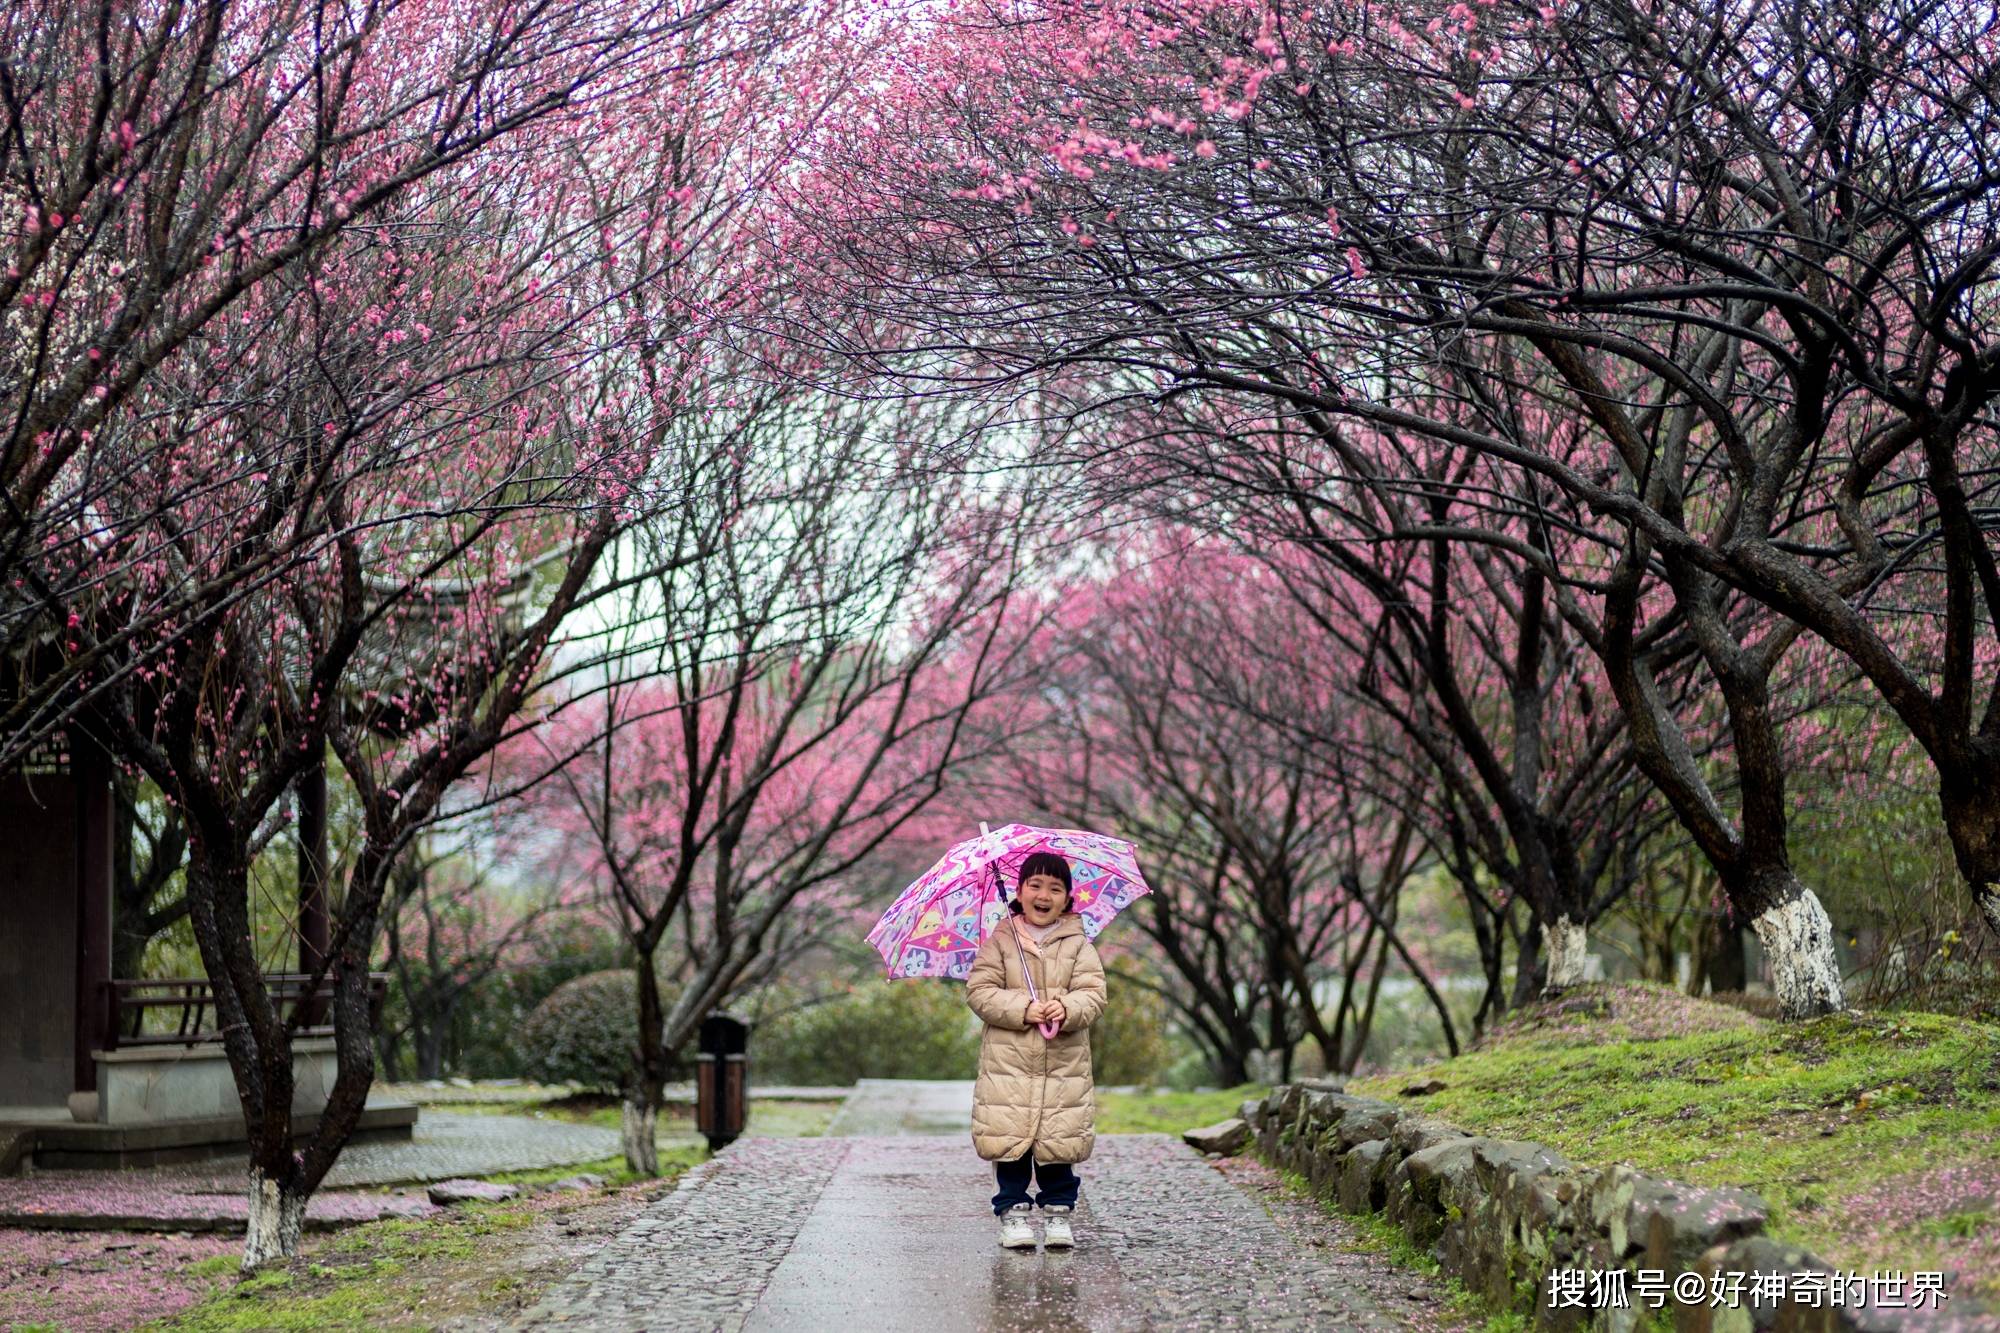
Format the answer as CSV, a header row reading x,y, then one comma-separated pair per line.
x,y
1037,1012
1053,1012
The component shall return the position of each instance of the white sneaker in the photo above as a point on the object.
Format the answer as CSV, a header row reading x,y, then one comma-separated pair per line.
x,y
1055,1229
1015,1233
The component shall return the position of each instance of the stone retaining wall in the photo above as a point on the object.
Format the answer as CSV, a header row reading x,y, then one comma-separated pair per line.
x,y
1500,1215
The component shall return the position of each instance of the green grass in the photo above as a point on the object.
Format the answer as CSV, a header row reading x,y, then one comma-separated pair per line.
x,y
222,1265
1376,1233
1169,1112
790,1119
1812,1116
673,1161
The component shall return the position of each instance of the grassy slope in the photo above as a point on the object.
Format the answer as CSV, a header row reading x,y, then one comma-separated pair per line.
x,y
1875,1138
1168,1112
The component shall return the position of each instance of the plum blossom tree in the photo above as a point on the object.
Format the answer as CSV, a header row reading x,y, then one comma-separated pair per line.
x,y
821,670
1170,715
1716,275
160,170
1461,646
357,514
142,902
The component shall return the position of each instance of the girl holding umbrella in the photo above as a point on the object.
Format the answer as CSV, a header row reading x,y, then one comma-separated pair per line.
x,y
1036,983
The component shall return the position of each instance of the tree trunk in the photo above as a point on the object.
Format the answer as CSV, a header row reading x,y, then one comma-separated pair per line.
x,y
1728,960
1528,967
1492,939
128,917
638,1135
1229,1067
1798,940
430,1043
255,1040
1365,1023
277,1216
639,1122
1565,944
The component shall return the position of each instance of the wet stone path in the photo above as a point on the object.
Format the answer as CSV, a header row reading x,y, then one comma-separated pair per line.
x,y
887,1226
443,1146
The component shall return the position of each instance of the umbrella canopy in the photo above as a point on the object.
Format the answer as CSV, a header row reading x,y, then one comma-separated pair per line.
x,y
935,926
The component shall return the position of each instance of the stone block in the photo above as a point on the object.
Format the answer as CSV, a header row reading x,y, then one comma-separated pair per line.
x,y
1502,1164
1426,1185
1362,1185
1365,1120
151,1085
448,1192
1414,1133
1320,1107
1352,1120
1323,1171
1679,1223
1608,1205
1225,1138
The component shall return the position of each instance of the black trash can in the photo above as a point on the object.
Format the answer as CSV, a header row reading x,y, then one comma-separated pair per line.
x,y
722,1104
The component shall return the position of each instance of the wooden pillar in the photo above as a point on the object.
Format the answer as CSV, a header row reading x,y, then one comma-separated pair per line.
x,y
315,931
90,770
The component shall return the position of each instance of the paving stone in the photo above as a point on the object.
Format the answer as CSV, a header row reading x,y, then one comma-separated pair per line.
x,y
899,1106
699,1258
1201,1254
515,1092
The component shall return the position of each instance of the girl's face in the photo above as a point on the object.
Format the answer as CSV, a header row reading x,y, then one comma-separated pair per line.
x,y
1043,899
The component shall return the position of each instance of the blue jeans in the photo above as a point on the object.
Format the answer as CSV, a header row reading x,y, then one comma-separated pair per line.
x,y
1057,1179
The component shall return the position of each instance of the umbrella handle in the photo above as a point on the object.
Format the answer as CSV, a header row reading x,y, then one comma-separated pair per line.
x,y
1048,1029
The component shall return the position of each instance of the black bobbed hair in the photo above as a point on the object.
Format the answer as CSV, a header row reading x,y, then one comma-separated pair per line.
x,y
1041,863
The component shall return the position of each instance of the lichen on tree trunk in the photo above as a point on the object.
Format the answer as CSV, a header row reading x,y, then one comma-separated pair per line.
x,y
1565,944
637,1126
277,1217
1798,940
1988,897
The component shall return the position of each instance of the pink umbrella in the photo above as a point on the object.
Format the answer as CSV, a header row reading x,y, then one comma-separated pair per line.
x,y
935,926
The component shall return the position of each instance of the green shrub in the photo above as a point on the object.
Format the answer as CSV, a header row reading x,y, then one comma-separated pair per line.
x,y
487,1022
924,1030
904,1029
1131,1043
585,1032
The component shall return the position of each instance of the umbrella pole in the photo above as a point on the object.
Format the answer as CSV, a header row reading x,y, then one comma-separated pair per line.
x,y
1048,1030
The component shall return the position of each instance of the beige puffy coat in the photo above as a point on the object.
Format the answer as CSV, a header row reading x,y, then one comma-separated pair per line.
x,y
1034,1093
